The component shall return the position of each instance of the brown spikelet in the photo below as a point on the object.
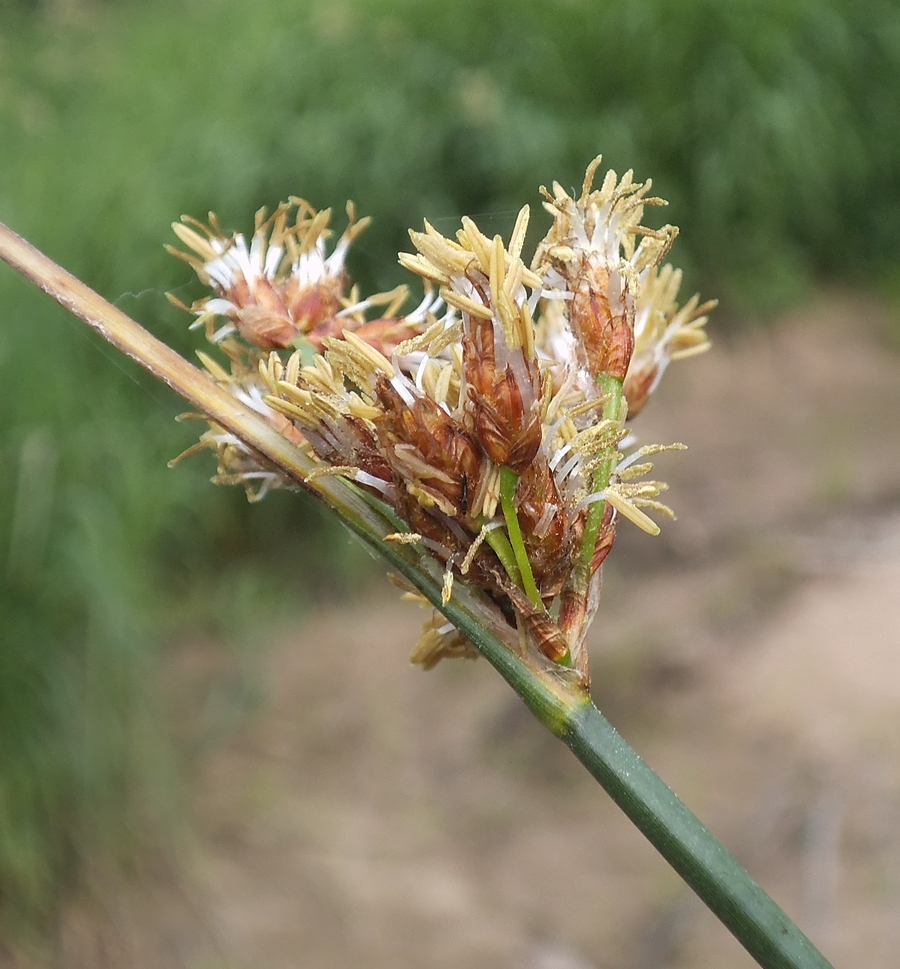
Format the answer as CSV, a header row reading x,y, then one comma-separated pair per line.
x,y
541,628
503,408
606,331
428,450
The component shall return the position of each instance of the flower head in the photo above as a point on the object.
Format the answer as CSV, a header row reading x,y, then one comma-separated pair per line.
x,y
592,256
282,287
490,419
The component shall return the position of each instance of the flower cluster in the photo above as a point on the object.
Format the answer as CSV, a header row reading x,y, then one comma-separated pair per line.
x,y
491,419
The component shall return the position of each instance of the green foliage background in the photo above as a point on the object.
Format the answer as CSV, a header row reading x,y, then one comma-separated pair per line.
x,y
770,126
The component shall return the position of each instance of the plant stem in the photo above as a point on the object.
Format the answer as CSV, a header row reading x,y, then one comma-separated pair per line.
x,y
611,388
720,881
712,872
509,481
549,691
504,551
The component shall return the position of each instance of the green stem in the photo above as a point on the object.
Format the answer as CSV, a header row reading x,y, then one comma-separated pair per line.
x,y
382,507
553,695
709,869
611,388
500,544
721,882
509,481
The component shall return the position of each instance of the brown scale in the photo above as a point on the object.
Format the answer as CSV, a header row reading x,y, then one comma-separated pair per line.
x,y
607,338
364,451
605,538
312,306
262,318
432,524
332,327
508,429
271,315
437,439
423,521
542,630
637,389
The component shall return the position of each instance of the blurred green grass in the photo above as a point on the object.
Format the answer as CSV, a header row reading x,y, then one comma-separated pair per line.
x,y
770,126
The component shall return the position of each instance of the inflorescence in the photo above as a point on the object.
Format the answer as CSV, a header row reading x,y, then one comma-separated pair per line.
x,y
491,420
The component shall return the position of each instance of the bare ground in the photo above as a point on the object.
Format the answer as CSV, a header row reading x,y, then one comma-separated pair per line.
x,y
373,815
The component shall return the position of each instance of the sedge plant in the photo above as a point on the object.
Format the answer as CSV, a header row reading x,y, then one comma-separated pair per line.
x,y
481,443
